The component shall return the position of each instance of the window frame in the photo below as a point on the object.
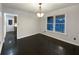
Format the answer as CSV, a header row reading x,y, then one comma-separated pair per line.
x,y
54,18
50,23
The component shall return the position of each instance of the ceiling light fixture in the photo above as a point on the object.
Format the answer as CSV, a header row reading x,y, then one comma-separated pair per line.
x,y
40,13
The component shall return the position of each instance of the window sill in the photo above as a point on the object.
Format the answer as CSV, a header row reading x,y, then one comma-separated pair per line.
x,y
56,32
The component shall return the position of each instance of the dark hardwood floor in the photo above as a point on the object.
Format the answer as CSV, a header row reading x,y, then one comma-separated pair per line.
x,y
39,44
9,46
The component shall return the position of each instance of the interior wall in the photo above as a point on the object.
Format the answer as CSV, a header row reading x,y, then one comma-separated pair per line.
x,y
9,27
72,24
1,37
28,23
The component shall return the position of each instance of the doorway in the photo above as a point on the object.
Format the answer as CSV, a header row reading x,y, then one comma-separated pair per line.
x,y
10,34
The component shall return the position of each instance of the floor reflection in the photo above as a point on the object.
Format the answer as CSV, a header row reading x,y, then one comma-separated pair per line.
x,y
9,46
37,45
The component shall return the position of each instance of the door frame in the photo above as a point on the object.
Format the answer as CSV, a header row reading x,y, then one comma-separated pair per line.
x,y
4,16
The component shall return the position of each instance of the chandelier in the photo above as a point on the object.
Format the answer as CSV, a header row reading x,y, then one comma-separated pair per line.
x,y
40,13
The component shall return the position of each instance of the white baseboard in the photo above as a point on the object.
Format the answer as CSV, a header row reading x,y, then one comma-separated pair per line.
x,y
62,39
1,44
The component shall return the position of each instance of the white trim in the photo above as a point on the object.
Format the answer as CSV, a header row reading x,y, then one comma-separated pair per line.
x,y
1,45
54,24
5,22
10,14
61,39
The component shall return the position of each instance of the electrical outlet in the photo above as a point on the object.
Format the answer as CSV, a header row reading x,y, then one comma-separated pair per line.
x,y
74,38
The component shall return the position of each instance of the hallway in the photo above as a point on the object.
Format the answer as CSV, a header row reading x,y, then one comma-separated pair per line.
x,y
9,46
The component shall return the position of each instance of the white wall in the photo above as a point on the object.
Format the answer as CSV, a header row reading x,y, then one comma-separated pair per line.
x,y
9,27
28,23
72,24
1,37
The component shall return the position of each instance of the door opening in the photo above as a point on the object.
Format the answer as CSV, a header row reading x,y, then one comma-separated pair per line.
x,y
10,24
10,33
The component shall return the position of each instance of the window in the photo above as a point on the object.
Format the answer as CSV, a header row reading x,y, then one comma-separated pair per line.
x,y
50,23
10,22
56,24
60,23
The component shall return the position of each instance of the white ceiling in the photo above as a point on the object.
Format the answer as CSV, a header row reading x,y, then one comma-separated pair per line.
x,y
33,7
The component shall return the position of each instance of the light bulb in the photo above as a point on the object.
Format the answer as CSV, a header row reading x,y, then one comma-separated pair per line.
x,y
40,14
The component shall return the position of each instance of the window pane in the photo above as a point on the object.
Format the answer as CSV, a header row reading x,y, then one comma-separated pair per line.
x,y
50,27
60,19
59,28
50,19
10,22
